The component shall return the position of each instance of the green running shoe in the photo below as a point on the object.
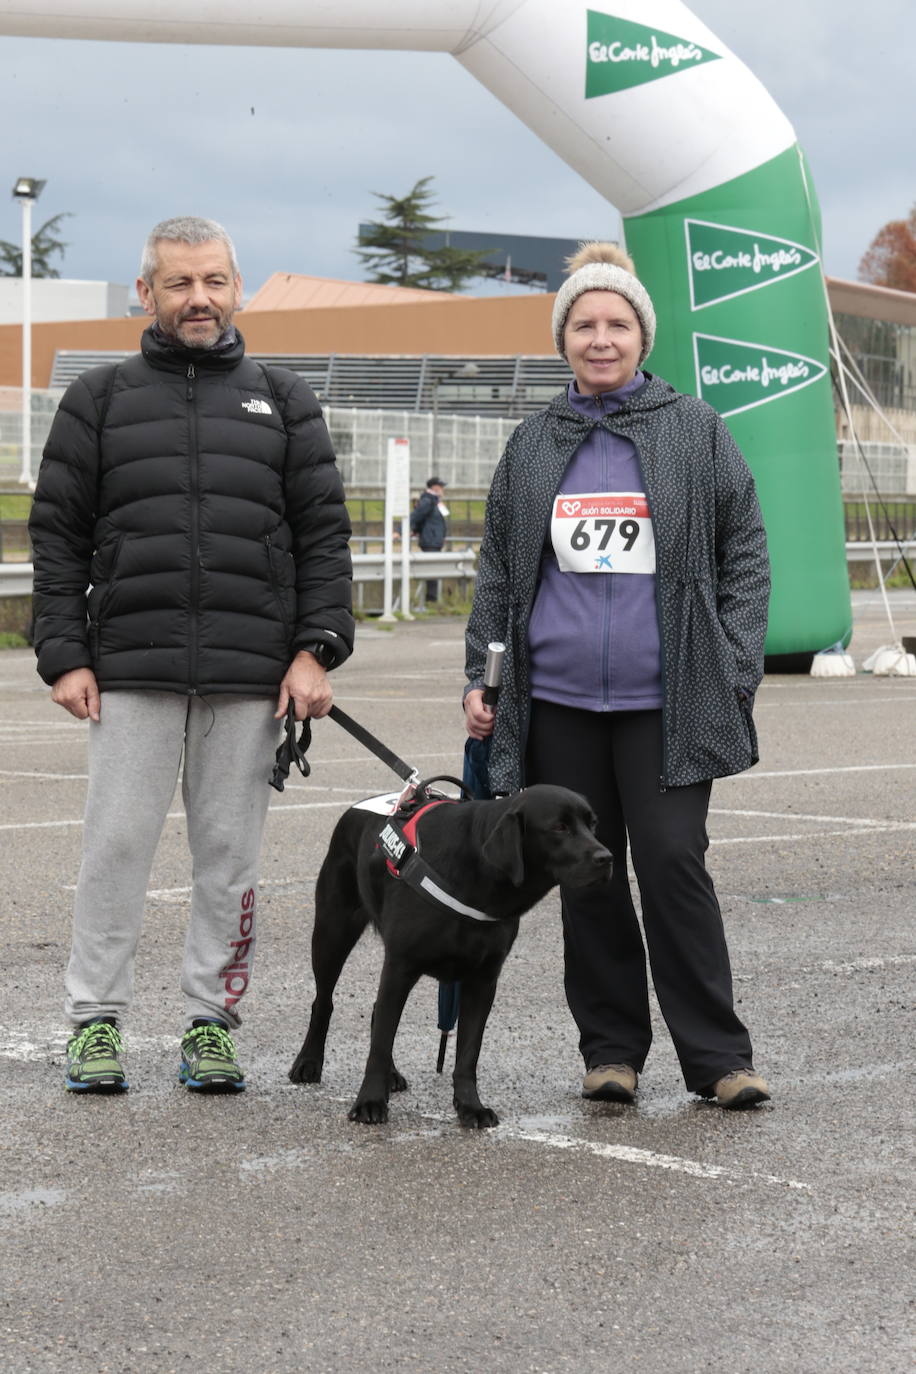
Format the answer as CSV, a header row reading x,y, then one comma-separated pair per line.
x,y
208,1060
92,1060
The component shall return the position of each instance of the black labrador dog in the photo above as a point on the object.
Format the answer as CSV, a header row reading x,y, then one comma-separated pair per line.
x,y
495,859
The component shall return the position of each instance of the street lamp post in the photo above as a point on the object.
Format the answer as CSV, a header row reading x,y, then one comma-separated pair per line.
x,y
465,373
26,191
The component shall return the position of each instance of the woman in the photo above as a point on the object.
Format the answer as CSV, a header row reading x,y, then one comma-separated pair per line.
x,y
624,564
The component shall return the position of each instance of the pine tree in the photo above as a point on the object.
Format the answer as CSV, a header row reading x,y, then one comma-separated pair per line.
x,y
45,244
395,247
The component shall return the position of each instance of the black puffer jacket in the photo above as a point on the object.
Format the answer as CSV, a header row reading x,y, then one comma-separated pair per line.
x,y
197,497
428,522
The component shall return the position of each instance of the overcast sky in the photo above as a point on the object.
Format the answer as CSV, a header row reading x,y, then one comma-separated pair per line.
x,y
285,147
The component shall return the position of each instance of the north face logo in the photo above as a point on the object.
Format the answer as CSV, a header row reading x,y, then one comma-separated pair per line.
x,y
256,407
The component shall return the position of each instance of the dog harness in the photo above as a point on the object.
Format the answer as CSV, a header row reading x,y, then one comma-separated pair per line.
x,y
400,843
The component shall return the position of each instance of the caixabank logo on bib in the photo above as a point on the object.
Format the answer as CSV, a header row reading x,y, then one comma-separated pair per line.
x,y
723,262
733,375
621,54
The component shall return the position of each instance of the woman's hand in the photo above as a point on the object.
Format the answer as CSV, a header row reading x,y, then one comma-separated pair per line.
x,y
477,717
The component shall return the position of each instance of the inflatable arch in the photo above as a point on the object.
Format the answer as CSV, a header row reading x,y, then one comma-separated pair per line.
x,y
720,216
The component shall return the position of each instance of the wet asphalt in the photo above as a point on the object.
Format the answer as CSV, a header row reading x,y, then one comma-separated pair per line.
x,y
265,1233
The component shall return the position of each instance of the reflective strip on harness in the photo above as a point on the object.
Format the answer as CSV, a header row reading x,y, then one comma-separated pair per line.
x,y
401,846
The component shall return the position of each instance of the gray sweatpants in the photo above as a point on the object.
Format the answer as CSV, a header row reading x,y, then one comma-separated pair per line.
x,y
135,751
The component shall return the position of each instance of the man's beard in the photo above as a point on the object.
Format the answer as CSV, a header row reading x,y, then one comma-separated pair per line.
x,y
188,339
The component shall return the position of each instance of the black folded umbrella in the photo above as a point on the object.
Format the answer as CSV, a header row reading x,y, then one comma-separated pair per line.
x,y
477,780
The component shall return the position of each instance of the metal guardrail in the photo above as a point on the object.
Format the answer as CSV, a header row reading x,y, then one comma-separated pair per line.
x,y
16,578
887,548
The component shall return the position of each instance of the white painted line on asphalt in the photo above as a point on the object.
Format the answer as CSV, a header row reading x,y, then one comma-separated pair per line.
x,y
800,816
866,965
814,834
274,809
43,777
810,700
13,727
323,761
39,825
178,894
387,698
752,774
626,1154
629,1154
400,699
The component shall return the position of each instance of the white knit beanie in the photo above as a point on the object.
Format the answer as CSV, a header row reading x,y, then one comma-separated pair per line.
x,y
603,267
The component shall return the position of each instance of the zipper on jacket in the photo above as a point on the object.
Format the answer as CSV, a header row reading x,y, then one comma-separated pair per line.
x,y
607,610
275,584
193,609
666,709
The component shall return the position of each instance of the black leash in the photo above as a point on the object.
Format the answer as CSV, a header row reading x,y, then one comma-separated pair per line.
x,y
293,751
375,746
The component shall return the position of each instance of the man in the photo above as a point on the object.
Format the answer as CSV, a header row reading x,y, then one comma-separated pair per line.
x,y
427,522
192,578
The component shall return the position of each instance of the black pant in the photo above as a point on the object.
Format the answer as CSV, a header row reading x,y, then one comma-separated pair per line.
x,y
615,759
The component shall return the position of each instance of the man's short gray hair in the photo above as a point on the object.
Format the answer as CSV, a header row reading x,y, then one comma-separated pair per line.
x,y
184,229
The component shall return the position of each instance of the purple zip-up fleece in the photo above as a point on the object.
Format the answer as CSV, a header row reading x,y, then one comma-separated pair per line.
x,y
593,638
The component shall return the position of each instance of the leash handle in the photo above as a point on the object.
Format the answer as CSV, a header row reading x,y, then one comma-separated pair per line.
x,y
290,751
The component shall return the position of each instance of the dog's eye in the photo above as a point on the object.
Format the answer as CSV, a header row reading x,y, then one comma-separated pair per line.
x,y
560,827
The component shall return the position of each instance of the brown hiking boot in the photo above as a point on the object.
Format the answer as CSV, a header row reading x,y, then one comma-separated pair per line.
x,y
610,1083
740,1088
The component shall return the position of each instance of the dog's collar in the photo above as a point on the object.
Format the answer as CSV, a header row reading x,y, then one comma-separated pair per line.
x,y
400,843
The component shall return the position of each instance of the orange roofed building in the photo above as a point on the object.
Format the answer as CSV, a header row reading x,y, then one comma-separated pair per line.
x,y
293,314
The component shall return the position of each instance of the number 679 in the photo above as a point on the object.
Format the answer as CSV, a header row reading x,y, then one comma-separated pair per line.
x,y
581,539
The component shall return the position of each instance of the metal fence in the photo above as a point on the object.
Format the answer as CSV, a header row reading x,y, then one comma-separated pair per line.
x,y
887,468
464,449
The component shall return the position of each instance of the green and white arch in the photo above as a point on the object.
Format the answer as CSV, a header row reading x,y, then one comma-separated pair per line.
x,y
659,116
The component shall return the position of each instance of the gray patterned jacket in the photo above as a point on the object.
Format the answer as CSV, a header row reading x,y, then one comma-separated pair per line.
x,y
712,576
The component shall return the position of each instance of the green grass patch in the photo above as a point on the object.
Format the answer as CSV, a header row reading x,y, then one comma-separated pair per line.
x,y
15,505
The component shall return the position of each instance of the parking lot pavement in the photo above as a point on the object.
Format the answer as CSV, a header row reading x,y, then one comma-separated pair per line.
x,y
266,1233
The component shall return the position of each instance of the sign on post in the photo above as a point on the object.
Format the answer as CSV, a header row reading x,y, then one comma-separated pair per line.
x,y
397,507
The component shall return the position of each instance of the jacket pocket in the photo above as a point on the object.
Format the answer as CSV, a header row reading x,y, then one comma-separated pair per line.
x,y
101,592
280,574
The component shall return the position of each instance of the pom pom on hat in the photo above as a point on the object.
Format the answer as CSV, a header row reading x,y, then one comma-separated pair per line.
x,y
603,267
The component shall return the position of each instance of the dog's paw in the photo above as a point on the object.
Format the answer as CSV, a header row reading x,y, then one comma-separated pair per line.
x,y
476,1118
370,1113
306,1070
397,1083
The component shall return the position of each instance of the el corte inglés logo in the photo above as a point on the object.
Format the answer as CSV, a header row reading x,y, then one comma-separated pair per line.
x,y
724,262
733,375
621,54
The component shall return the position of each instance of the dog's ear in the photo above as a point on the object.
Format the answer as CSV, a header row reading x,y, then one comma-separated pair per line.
x,y
502,848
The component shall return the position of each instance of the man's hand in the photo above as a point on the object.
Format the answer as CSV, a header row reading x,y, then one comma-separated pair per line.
x,y
477,717
78,693
306,683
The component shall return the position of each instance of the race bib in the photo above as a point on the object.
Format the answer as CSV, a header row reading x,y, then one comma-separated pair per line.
x,y
603,533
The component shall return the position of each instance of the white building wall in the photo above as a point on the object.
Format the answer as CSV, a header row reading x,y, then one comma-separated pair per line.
x,y
62,299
